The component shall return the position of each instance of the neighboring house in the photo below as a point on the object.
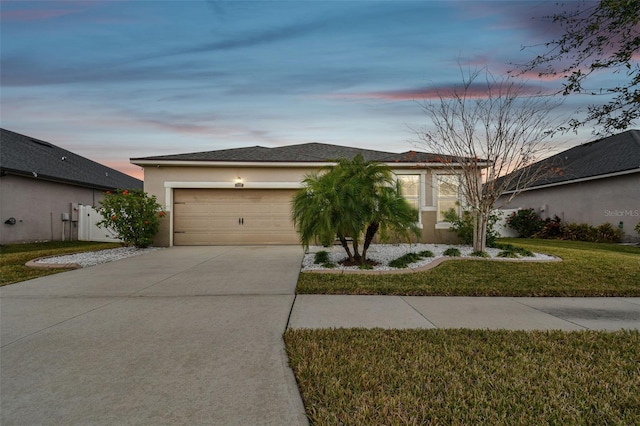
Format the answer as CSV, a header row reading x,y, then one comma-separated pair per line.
x,y
593,183
243,196
43,185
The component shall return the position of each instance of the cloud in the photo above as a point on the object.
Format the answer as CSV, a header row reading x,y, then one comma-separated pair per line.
x,y
434,92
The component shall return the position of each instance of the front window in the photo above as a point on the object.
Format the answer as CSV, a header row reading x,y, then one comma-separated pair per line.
x,y
410,187
448,194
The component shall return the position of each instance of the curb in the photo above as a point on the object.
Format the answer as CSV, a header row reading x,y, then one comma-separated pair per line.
x,y
33,264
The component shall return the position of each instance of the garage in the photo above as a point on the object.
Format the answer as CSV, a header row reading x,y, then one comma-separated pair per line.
x,y
232,216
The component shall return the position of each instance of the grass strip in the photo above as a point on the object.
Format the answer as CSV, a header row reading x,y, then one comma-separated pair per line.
x,y
14,256
415,377
587,269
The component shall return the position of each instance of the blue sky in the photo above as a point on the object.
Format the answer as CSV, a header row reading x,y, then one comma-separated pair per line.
x,y
111,80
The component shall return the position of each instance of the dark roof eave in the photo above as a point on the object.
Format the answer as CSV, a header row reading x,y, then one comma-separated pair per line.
x,y
578,180
47,178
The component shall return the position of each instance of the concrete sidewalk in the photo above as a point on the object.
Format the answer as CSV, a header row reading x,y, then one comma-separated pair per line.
x,y
186,335
511,313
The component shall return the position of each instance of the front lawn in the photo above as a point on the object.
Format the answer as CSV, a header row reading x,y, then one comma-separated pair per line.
x,y
14,256
587,269
466,377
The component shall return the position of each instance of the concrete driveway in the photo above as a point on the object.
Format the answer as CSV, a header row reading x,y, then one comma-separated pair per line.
x,y
185,335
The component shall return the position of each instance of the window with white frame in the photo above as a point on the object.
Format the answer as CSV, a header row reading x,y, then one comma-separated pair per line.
x,y
448,192
410,187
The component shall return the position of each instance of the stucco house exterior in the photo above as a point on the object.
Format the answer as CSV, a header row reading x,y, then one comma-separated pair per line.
x,y
243,196
592,183
42,186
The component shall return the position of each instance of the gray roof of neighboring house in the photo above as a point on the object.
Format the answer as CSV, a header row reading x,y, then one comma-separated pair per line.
x,y
303,153
30,157
614,154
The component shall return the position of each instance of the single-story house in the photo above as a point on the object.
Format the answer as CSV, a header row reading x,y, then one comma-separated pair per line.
x,y
592,183
243,196
42,185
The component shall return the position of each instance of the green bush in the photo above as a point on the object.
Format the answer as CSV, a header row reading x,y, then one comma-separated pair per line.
x,y
404,260
463,226
426,253
551,229
322,257
509,250
452,251
555,229
607,233
480,253
526,222
579,232
132,215
508,253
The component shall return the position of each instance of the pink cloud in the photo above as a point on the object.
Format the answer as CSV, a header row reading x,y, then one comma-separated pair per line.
x,y
447,91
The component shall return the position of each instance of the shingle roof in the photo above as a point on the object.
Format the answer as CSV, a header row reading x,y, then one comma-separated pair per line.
x,y
26,156
613,154
303,153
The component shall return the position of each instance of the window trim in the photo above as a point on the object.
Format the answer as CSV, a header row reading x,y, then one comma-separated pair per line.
x,y
441,224
421,190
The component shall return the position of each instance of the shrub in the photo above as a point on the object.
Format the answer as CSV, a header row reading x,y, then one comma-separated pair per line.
x,y
637,228
480,253
508,253
463,226
322,257
452,251
607,233
551,229
509,250
579,232
404,260
526,222
132,215
426,253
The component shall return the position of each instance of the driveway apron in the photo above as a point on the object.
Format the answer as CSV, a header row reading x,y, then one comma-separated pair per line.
x,y
184,335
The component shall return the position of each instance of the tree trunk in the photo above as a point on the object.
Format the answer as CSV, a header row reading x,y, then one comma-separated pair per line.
x,y
368,237
345,245
480,221
356,251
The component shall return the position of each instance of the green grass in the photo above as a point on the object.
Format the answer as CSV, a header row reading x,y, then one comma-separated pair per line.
x,y
587,269
466,377
14,256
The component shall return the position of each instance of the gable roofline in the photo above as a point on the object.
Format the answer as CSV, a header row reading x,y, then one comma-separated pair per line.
x,y
301,155
37,159
603,158
569,182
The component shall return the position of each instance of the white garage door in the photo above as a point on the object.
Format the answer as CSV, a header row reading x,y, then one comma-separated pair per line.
x,y
233,216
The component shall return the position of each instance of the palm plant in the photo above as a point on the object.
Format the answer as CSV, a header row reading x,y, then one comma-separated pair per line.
x,y
352,199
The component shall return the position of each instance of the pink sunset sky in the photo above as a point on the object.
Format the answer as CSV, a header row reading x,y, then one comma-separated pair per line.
x,y
112,80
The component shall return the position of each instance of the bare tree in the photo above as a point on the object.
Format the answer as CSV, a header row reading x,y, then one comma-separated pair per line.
x,y
486,129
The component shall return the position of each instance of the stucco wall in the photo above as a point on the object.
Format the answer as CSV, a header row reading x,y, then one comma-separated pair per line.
x,y
155,179
37,206
615,200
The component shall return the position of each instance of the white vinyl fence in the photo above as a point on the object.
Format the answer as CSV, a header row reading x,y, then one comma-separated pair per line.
x,y
501,225
87,228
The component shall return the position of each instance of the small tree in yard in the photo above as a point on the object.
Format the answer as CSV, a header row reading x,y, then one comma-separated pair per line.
x,y
484,131
355,199
132,215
